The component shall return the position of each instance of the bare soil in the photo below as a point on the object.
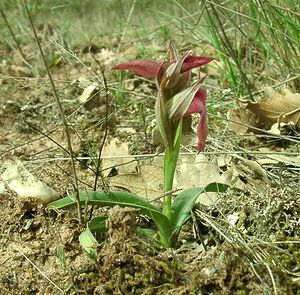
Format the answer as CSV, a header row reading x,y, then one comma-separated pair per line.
x,y
40,252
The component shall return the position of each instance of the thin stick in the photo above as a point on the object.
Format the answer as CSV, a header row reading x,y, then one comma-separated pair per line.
x,y
62,114
175,190
106,119
41,272
98,165
14,37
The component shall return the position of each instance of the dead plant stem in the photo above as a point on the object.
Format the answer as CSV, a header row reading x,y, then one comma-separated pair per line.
x,y
39,270
63,117
101,146
98,165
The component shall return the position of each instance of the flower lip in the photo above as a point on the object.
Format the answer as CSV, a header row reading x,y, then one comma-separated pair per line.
x,y
198,105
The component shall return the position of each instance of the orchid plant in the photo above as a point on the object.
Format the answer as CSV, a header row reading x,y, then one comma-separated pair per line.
x,y
176,100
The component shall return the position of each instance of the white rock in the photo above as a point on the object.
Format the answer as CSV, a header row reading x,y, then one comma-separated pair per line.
x,y
233,218
21,181
2,187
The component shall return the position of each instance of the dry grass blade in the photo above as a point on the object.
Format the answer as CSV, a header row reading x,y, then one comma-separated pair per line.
x,y
15,38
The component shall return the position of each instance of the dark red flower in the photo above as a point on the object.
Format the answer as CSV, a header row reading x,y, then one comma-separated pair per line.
x,y
176,98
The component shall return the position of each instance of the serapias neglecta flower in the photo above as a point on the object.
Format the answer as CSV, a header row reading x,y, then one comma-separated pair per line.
x,y
177,98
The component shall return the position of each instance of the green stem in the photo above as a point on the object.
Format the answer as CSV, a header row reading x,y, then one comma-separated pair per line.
x,y
170,162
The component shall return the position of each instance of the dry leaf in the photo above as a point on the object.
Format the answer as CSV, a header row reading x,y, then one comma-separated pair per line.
x,y
90,97
272,112
192,170
257,170
276,107
147,182
245,179
116,155
240,121
197,170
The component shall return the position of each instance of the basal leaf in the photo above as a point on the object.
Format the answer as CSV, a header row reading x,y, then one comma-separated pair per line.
x,y
87,239
185,201
106,198
97,224
123,199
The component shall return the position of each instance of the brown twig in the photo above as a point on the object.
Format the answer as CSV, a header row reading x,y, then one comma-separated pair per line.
x,y
63,117
106,119
98,165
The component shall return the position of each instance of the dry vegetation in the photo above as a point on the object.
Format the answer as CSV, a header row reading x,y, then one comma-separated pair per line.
x,y
245,241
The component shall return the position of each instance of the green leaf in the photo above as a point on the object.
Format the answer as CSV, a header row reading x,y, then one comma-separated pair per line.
x,y
97,224
106,198
88,242
148,232
87,239
123,199
185,201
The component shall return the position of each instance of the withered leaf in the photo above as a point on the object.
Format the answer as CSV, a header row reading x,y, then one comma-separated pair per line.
x,y
276,107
